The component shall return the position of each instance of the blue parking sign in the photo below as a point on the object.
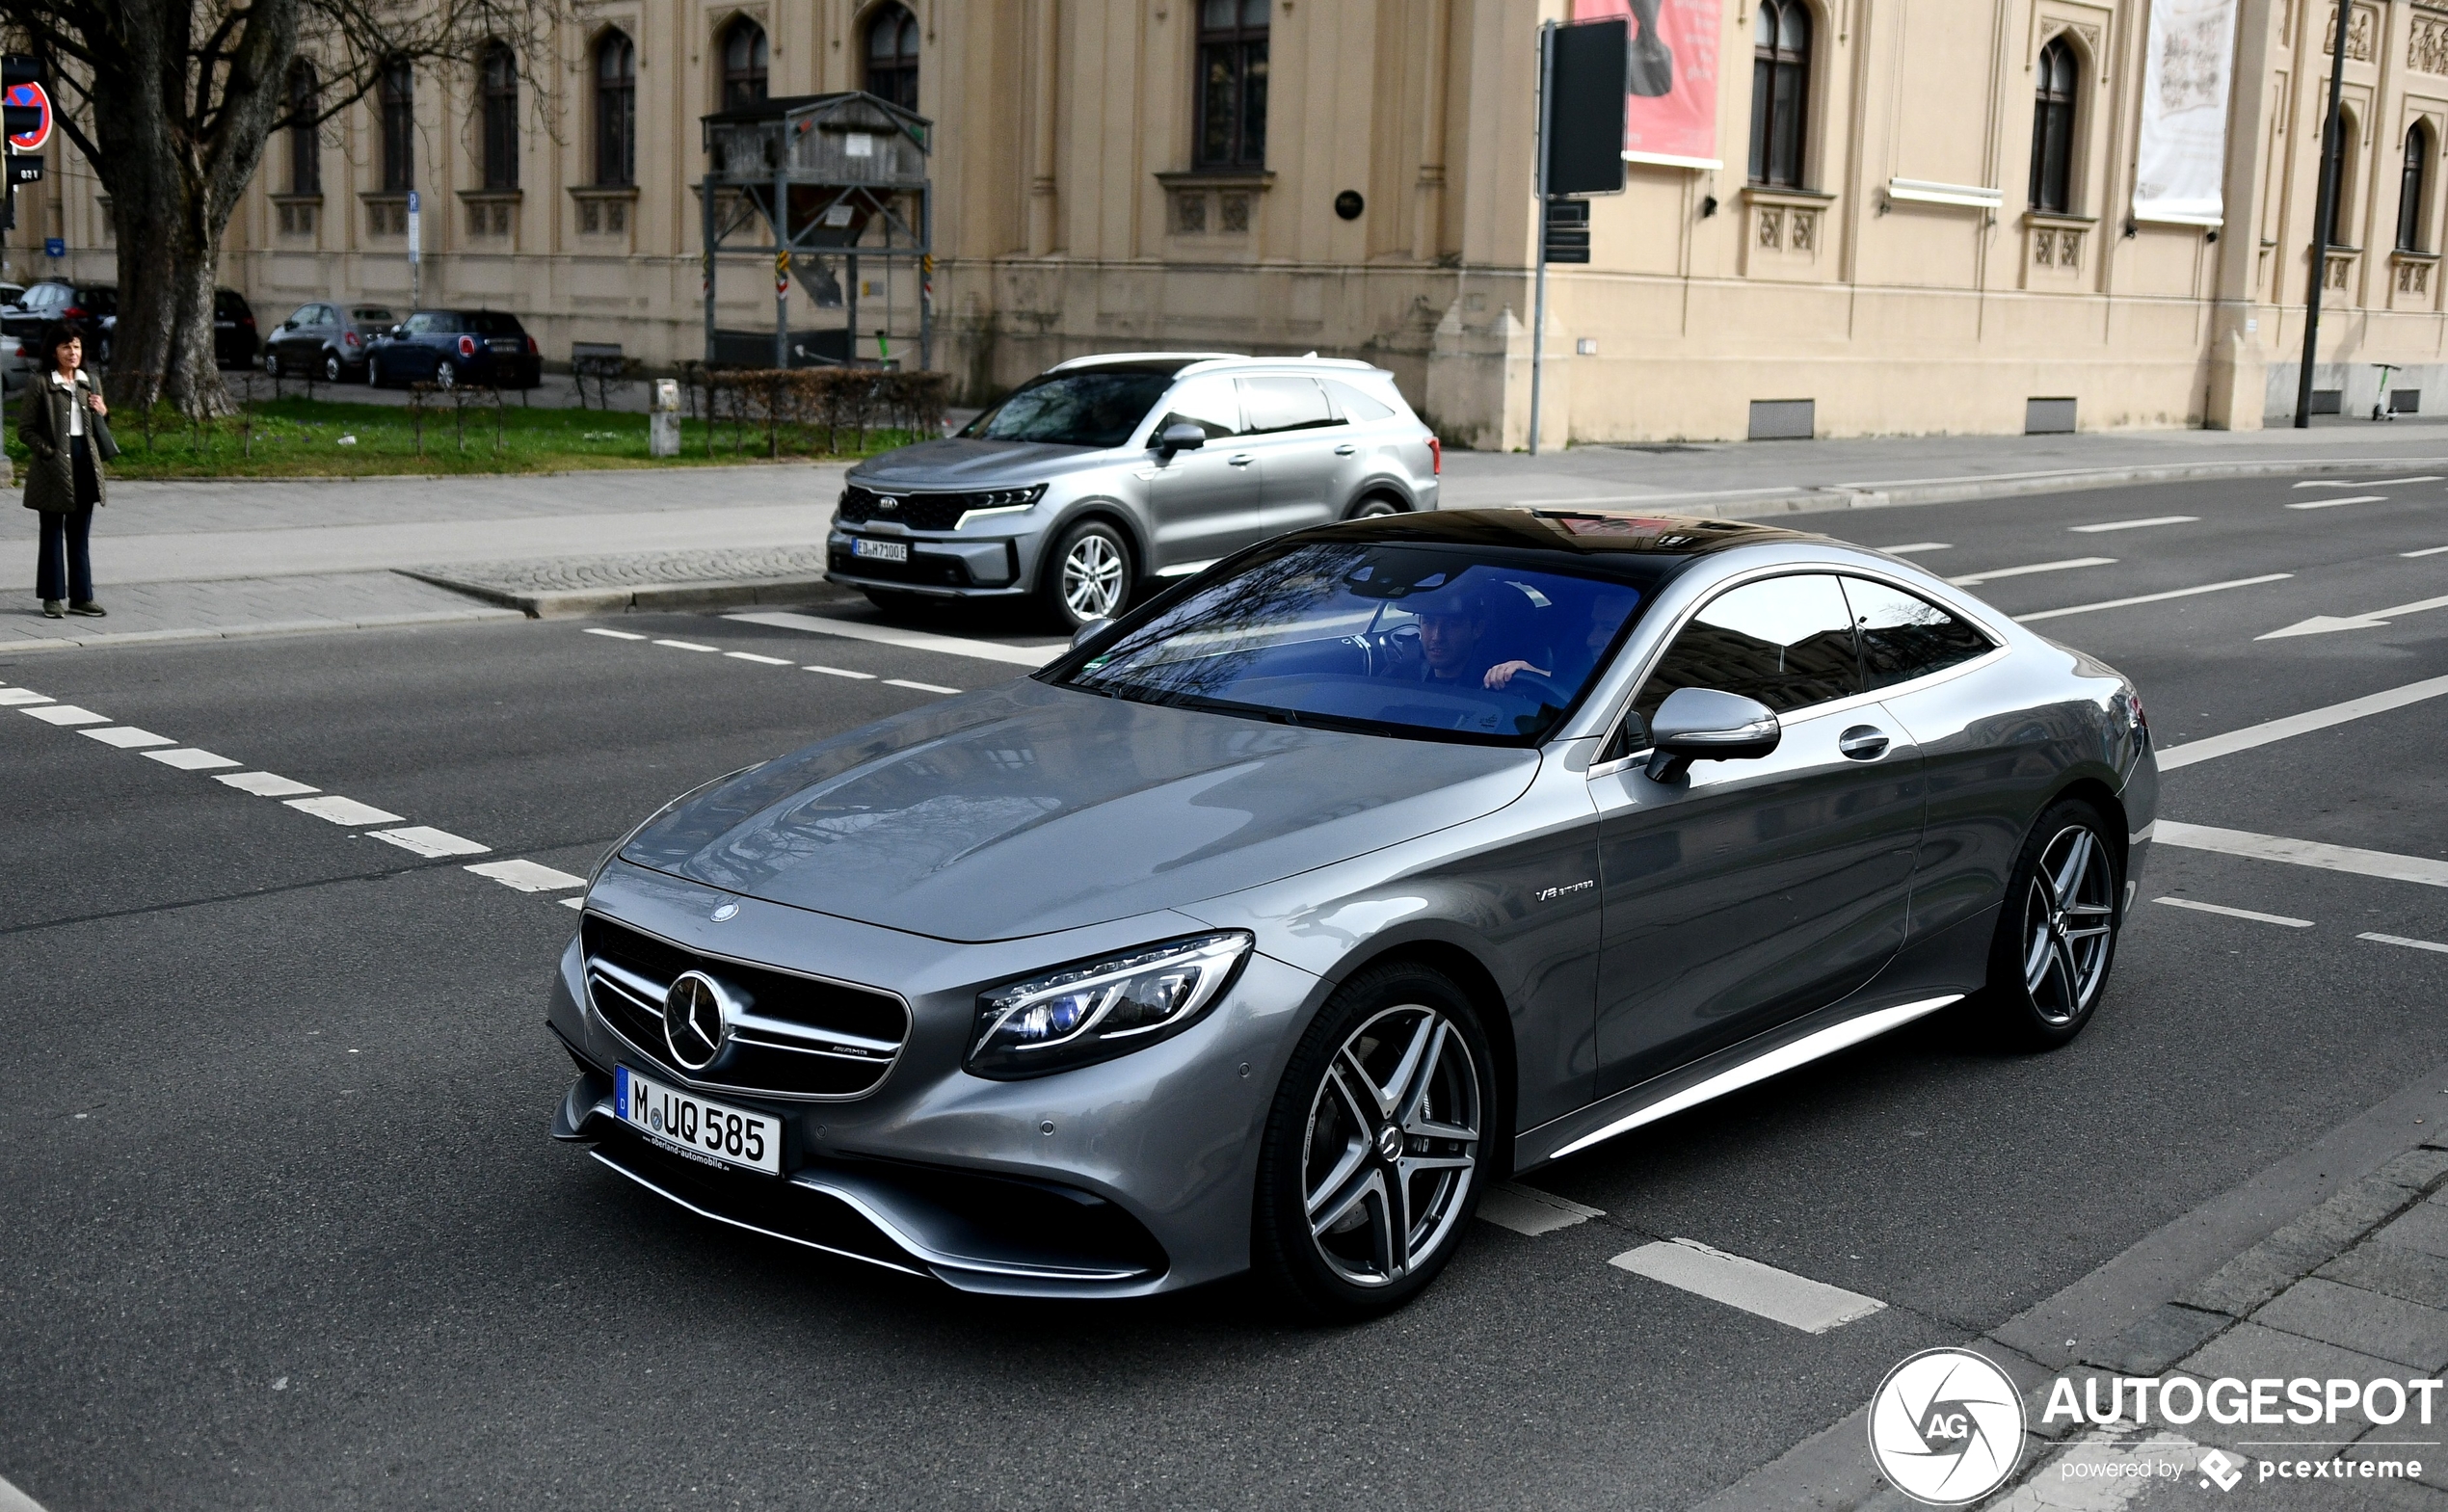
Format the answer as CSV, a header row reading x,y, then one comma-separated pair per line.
x,y
54,247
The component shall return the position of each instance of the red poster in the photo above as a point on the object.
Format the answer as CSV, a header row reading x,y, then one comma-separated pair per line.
x,y
1672,114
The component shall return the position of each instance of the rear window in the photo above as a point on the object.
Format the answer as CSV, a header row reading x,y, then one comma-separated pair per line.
x,y
372,315
99,302
228,304
492,323
1283,404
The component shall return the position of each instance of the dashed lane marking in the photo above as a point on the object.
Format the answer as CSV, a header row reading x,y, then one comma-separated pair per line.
x,y
1911,546
12,697
425,841
527,876
127,738
2425,551
921,687
2371,483
908,640
617,635
2106,525
577,902
188,758
67,714
684,646
2236,913
2410,945
841,672
1976,579
769,661
1779,1295
2150,598
762,660
2293,725
2359,498
1528,1210
2383,865
344,810
266,785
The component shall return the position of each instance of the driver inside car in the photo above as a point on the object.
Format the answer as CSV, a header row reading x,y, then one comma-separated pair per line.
x,y
1453,640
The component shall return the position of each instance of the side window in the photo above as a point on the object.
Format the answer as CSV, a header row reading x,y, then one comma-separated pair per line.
x,y
1283,404
428,323
1905,636
1787,642
1211,404
1356,405
307,315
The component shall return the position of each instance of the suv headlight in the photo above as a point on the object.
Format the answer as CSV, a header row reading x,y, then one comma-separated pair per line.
x,y
1101,1009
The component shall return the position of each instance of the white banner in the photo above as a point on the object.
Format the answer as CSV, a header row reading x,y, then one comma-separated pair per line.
x,y
2183,157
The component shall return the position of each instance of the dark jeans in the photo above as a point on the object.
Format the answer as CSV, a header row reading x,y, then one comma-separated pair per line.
x,y
73,581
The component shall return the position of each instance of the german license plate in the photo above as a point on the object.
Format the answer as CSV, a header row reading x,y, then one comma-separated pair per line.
x,y
708,1130
880,550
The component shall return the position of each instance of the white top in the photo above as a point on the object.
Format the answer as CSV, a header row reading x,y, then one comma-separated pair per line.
x,y
76,412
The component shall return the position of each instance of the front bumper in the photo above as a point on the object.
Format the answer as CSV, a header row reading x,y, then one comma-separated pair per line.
x,y
1122,1179
943,566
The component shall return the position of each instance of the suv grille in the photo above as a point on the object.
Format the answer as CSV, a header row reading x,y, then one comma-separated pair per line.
x,y
799,1037
929,511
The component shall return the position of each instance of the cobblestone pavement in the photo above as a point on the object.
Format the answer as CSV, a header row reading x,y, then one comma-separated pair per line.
x,y
243,606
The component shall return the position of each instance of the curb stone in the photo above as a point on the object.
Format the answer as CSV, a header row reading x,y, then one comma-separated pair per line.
x,y
716,594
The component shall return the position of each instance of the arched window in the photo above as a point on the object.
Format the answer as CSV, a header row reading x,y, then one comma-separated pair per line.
x,y
2349,139
615,110
1780,91
743,63
499,73
1231,84
2410,188
306,143
2053,129
398,105
893,55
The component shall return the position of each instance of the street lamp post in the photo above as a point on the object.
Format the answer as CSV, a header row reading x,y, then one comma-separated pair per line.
x,y
2324,217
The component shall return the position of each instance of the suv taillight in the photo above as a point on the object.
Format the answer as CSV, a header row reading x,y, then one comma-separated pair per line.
x,y
467,346
532,349
1436,457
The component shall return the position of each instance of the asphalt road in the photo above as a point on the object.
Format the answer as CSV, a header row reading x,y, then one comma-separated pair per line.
x,y
280,1227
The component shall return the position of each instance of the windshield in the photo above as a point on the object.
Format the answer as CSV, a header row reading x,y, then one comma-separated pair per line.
x,y
1092,409
1401,639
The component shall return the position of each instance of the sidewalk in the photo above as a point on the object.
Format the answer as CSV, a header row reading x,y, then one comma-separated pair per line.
x,y
215,559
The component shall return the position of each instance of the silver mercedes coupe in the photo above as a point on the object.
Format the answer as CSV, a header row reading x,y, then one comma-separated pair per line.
x,y
1378,861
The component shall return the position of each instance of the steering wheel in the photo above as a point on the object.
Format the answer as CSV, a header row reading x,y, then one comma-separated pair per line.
x,y
1532,679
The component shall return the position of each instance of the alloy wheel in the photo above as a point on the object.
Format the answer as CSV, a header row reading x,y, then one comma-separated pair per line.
x,y
271,364
332,369
445,376
1092,573
2067,916
1375,509
1392,1146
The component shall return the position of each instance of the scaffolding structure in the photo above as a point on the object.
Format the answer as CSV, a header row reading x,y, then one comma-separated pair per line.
x,y
816,175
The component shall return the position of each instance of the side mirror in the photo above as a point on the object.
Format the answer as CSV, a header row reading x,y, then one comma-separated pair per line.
x,y
1182,436
397,332
1089,632
1705,725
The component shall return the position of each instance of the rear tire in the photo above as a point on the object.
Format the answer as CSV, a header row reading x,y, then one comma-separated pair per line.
x,y
446,375
2057,930
271,364
1376,1145
1375,506
1087,575
332,368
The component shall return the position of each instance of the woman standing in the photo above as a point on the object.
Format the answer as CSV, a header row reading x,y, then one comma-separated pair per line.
x,y
63,425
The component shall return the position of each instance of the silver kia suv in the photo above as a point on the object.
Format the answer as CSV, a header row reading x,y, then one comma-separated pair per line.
x,y
1109,473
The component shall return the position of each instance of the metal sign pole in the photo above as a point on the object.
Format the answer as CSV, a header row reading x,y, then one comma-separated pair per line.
x,y
416,253
2324,226
1538,300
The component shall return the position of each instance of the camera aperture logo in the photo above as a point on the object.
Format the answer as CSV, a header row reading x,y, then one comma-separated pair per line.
x,y
1946,1428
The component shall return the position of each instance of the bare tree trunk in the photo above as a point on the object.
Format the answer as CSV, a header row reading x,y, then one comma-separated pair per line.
x,y
169,269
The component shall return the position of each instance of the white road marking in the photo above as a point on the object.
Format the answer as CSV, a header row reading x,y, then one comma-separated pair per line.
x,y
573,902
127,738
266,785
1911,546
923,687
906,640
2360,498
617,635
2425,551
187,759
2103,1471
684,646
2150,598
527,876
2383,865
2134,524
1528,1210
2323,624
1779,1295
2236,913
11,1500
344,810
841,672
2372,483
1976,579
770,661
10,697
67,714
2410,945
2293,725
426,840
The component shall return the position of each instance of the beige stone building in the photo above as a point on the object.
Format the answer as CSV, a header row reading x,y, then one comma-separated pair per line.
x,y
1919,216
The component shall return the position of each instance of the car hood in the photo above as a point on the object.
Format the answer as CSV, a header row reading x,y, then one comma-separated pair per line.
x,y
969,463
1032,809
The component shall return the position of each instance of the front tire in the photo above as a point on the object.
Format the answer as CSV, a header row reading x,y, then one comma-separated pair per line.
x,y
271,364
2057,932
1087,576
1374,1149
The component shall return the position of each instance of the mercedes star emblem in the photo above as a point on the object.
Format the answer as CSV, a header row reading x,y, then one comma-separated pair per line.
x,y
725,913
696,1019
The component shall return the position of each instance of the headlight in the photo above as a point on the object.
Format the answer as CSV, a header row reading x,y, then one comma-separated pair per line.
x,y
1000,501
1101,1009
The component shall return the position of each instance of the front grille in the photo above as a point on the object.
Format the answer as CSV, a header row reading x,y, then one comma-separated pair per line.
x,y
928,510
798,1036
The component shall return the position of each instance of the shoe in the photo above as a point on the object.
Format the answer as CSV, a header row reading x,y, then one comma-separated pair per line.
x,y
89,608
50,608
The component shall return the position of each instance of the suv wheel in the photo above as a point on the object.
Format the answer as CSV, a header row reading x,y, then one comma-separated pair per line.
x,y
1088,576
1372,1158
2056,933
1375,506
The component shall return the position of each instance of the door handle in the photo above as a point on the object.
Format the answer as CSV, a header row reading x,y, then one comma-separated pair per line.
x,y
1863,742
1240,459
1346,449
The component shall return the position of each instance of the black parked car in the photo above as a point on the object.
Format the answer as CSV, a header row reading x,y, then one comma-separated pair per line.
x,y
448,347
333,340
95,306
234,338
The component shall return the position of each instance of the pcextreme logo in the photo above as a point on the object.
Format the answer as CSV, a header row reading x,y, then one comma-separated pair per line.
x,y
1946,1428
